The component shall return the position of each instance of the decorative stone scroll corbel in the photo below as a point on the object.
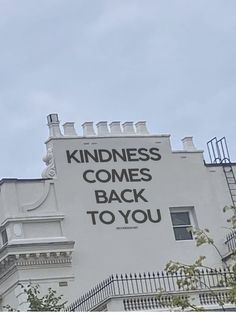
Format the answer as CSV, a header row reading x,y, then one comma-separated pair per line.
x,y
50,171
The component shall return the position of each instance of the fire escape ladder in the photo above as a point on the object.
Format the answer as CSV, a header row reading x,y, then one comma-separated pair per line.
x,y
231,181
219,154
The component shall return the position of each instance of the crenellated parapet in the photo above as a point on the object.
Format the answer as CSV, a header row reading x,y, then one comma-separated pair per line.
x,y
102,129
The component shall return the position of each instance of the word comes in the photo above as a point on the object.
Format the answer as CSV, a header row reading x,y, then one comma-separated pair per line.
x,y
113,175
138,216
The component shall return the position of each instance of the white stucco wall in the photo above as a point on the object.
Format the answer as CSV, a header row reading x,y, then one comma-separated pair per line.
x,y
178,179
55,212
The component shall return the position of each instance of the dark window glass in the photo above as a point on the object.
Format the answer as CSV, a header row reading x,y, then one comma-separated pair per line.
x,y
182,233
181,224
181,218
4,236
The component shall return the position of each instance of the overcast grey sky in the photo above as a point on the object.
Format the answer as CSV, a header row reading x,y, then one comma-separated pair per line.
x,y
171,63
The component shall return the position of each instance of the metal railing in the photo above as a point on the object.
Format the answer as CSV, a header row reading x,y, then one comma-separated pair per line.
x,y
218,150
150,283
231,241
219,154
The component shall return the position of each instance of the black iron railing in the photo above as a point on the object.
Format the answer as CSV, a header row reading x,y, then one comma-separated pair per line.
x,y
219,154
231,241
149,283
218,150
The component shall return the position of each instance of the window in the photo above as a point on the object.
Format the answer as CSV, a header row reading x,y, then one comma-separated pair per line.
x,y
4,237
181,222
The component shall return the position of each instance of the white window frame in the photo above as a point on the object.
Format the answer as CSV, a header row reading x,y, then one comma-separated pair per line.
x,y
192,217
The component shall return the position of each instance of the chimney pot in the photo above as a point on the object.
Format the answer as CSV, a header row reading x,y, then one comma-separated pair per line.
x,y
52,118
54,125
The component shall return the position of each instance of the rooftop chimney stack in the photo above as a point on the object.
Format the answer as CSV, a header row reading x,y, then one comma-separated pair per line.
x,y
141,128
128,128
88,129
115,128
188,143
69,129
102,128
54,125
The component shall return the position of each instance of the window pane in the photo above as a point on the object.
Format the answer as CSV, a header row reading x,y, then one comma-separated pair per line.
x,y
181,233
180,218
4,237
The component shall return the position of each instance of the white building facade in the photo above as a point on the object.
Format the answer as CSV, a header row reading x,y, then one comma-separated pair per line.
x,y
114,201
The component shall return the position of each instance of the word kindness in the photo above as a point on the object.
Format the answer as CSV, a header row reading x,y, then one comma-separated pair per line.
x,y
113,196
105,155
